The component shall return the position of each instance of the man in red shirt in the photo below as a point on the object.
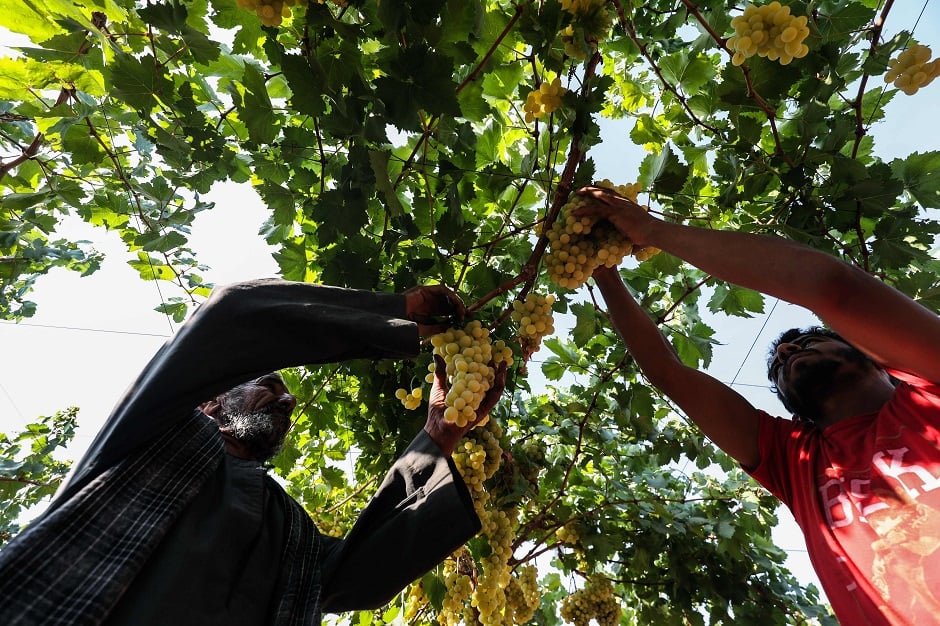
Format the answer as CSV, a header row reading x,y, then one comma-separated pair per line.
x,y
859,462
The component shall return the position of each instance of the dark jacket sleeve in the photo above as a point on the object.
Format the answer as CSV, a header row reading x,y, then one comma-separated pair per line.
x,y
241,332
420,514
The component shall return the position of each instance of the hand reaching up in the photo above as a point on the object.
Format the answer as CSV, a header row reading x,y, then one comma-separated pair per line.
x,y
632,220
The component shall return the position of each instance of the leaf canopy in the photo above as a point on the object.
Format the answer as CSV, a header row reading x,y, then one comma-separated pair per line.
x,y
389,144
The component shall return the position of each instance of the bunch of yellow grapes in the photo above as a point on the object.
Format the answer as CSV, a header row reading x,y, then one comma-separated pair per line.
x,y
458,587
470,457
330,526
534,318
571,254
522,594
769,31
912,69
410,399
591,25
489,597
477,458
542,101
416,601
532,457
579,245
470,358
271,12
568,534
596,600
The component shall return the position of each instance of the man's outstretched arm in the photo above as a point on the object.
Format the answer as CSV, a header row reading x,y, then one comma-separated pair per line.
x,y
884,323
725,416
249,329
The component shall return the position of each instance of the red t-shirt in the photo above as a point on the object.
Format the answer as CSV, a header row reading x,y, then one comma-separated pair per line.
x,y
866,493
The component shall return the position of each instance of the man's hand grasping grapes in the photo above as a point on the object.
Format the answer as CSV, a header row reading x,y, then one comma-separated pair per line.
x,y
628,217
435,308
446,434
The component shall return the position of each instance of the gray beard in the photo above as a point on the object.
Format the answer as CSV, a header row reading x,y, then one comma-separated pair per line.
x,y
257,431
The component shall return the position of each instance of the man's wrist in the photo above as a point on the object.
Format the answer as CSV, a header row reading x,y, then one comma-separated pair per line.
x,y
444,440
604,275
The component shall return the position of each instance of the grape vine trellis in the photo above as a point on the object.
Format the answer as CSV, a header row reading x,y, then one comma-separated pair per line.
x,y
389,143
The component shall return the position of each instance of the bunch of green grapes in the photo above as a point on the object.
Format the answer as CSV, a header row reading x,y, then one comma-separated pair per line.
x,y
580,7
330,523
579,245
596,600
271,12
522,594
768,31
631,191
591,23
470,358
488,435
609,253
534,318
409,399
912,69
478,457
542,101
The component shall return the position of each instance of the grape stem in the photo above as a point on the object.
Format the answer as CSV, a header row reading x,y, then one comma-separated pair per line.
x,y
751,92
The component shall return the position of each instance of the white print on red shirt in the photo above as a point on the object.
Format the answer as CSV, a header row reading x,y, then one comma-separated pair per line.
x,y
842,498
906,532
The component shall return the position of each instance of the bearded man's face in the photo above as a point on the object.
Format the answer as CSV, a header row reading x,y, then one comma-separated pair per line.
x,y
257,414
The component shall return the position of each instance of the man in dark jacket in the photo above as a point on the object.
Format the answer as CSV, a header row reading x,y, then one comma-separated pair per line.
x,y
171,518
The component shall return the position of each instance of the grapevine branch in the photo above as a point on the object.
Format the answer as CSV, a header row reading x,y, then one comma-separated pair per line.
x,y
688,292
644,50
327,379
562,191
97,20
33,148
538,517
588,514
857,103
761,103
475,73
470,78
129,186
860,128
362,487
24,481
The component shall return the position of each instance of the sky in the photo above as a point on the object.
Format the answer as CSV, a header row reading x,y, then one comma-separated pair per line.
x,y
91,336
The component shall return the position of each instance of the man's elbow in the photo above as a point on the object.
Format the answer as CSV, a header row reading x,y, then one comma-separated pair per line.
x,y
229,298
840,286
